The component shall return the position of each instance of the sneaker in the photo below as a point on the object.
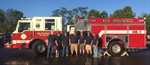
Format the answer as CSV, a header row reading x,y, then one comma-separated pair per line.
x,y
67,55
56,55
93,56
51,56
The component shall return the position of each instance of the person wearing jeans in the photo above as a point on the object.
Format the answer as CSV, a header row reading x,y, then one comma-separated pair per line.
x,y
65,43
95,45
51,42
50,49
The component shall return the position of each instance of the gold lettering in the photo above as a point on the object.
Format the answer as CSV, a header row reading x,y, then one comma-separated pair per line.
x,y
43,34
122,20
105,20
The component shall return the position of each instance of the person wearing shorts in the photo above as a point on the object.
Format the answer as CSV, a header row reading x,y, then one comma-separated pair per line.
x,y
74,42
89,41
82,44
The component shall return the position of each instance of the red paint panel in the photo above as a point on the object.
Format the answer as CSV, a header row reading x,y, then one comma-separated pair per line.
x,y
136,40
116,27
137,27
17,46
33,34
29,36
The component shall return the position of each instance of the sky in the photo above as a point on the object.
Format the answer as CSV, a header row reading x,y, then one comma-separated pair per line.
x,y
32,8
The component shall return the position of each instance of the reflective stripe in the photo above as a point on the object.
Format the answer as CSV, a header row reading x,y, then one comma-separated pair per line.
x,y
122,32
20,41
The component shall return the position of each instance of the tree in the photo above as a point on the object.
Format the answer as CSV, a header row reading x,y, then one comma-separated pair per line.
x,y
68,15
2,19
2,16
117,14
12,17
93,13
104,14
83,11
56,12
126,12
147,20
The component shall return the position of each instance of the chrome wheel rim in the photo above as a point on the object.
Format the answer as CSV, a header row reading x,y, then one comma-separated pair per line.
x,y
41,48
116,48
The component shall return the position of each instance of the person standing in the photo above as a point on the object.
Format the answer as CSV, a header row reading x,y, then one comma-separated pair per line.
x,y
59,47
74,42
88,42
95,45
65,44
51,42
82,44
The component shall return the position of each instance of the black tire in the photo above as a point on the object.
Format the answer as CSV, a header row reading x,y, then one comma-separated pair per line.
x,y
39,47
112,48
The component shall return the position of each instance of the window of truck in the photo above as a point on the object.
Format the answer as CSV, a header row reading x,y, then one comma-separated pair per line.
x,y
49,24
23,26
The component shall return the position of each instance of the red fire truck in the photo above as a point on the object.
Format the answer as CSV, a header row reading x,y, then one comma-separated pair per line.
x,y
116,34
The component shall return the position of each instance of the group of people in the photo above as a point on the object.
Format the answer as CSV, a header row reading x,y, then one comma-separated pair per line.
x,y
63,44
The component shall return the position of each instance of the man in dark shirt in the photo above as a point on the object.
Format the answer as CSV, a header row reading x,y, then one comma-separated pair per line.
x,y
65,44
89,41
74,42
95,45
51,41
59,47
82,44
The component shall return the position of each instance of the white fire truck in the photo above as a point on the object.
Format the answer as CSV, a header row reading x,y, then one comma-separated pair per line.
x,y
116,34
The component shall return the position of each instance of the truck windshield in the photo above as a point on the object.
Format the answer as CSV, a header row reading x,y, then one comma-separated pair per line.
x,y
23,26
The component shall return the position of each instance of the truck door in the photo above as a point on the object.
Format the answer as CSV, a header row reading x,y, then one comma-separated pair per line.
x,y
23,35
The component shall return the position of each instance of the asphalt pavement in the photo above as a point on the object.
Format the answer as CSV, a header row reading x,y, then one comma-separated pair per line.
x,y
25,57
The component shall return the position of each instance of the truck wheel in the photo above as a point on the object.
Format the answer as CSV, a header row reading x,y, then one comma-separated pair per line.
x,y
115,48
38,48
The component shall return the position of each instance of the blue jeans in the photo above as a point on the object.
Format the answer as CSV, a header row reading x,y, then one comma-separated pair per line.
x,y
50,48
95,50
65,49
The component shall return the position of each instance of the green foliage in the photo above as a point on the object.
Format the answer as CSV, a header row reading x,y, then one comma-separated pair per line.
x,y
147,20
104,14
9,19
68,15
2,16
126,12
93,13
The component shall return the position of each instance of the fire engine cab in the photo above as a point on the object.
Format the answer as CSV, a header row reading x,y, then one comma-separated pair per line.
x,y
116,34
